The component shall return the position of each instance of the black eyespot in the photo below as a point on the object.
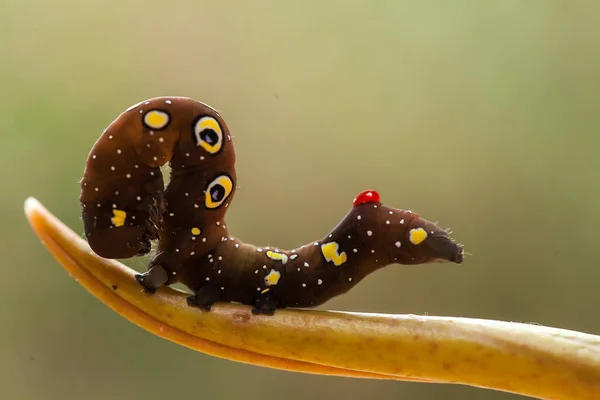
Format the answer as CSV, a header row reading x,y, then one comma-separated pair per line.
x,y
208,134
217,191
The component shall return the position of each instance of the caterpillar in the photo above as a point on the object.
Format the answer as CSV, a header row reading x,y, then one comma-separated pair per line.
x,y
125,207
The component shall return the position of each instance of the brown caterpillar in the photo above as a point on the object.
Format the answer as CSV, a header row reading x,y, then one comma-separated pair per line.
x,y
125,206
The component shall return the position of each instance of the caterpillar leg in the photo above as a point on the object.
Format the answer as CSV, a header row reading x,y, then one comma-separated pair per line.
x,y
154,278
205,297
265,304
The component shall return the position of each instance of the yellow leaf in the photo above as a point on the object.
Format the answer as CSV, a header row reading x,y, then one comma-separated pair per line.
x,y
531,360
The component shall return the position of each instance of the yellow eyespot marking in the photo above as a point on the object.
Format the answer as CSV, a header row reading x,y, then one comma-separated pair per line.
x,y
265,291
417,235
156,119
331,253
277,256
118,218
195,231
209,134
272,278
217,191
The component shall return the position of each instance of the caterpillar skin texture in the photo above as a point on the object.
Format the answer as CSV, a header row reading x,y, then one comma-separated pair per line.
x,y
125,207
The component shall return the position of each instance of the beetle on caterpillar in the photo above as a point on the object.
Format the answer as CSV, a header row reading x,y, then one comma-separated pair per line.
x,y
125,206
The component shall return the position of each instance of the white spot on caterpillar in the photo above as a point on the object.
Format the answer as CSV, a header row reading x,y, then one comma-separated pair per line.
x,y
119,151
359,217
319,282
349,237
259,250
128,176
306,264
398,244
349,279
237,245
391,212
293,256
207,278
369,233
220,258
140,199
168,101
304,285
112,168
373,251
402,221
387,222
355,250
192,253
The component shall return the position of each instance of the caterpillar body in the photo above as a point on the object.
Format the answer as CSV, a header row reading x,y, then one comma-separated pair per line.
x,y
125,206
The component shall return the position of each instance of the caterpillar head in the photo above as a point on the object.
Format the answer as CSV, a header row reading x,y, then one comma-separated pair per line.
x,y
428,243
403,235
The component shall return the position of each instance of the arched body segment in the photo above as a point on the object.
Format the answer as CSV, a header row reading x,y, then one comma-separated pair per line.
x,y
125,206
122,177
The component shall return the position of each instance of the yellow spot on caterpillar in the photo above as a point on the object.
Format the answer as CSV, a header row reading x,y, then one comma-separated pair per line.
x,y
272,278
156,119
417,236
265,291
331,253
118,218
277,256
195,231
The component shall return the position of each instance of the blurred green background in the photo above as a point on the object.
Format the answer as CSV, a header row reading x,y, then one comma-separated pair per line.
x,y
480,115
